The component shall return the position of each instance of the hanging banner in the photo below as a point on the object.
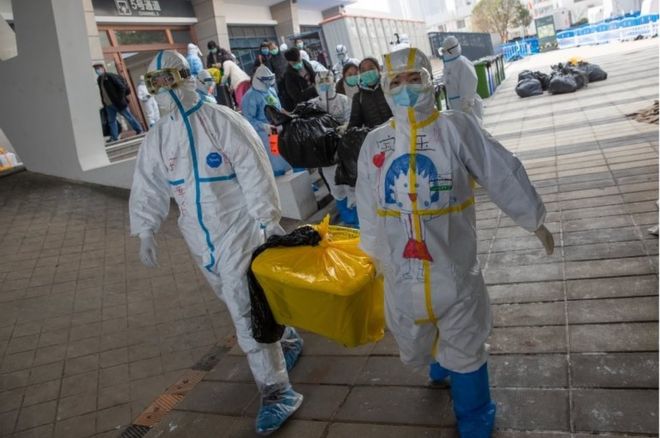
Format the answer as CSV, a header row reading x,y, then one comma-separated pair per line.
x,y
143,8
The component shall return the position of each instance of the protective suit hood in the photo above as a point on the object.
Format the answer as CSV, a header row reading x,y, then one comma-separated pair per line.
x,y
451,48
263,79
194,50
184,93
408,61
324,78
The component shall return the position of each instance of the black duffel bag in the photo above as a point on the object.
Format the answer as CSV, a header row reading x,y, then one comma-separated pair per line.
x,y
348,152
529,87
309,139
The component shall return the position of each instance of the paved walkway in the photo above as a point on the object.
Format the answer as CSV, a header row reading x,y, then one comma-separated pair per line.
x,y
89,338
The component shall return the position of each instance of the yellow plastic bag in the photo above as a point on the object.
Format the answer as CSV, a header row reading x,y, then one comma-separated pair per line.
x,y
330,289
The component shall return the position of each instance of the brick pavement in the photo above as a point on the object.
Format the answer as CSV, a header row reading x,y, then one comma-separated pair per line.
x,y
89,337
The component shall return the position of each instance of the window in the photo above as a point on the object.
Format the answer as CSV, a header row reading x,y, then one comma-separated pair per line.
x,y
141,37
103,36
181,36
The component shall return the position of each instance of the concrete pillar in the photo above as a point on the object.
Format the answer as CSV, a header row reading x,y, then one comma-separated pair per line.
x,y
7,41
52,120
286,15
211,23
95,48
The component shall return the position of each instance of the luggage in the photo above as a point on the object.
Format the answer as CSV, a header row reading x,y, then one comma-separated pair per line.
x,y
328,287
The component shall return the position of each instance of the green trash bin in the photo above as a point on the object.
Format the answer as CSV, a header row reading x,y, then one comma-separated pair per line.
x,y
483,89
441,101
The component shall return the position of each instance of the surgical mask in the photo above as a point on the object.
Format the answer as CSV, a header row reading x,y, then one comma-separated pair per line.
x,y
98,71
341,56
274,52
352,81
213,50
300,45
324,88
369,78
265,51
407,95
297,66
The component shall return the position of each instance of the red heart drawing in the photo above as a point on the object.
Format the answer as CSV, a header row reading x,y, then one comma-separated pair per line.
x,y
379,159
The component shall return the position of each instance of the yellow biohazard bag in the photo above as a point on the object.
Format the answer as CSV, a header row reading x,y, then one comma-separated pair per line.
x,y
330,289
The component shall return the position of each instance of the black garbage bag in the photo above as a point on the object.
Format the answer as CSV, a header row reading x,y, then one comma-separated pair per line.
x,y
529,87
348,152
526,74
593,71
562,83
264,327
543,78
581,78
309,138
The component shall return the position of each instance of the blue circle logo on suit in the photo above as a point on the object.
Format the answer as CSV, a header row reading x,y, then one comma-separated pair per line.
x,y
214,160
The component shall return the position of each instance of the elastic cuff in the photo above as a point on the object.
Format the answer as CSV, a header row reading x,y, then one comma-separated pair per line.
x,y
145,234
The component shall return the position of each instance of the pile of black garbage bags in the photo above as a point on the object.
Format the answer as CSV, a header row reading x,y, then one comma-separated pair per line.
x,y
312,138
564,78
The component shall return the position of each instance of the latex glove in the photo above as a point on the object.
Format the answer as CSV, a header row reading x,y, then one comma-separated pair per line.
x,y
148,252
466,105
273,229
545,236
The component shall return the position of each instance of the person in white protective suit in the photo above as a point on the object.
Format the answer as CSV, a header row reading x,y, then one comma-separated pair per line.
x,y
194,59
255,100
148,103
211,161
460,79
343,59
339,107
206,86
415,202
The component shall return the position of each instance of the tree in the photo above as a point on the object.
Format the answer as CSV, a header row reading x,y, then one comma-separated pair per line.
x,y
523,17
496,16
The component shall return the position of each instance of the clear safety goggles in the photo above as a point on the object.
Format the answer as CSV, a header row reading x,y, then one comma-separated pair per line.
x,y
392,82
166,78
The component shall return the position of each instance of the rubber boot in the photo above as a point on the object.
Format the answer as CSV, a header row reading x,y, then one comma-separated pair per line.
x,y
437,373
475,411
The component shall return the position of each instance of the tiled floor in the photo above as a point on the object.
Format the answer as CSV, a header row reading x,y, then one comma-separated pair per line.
x,y
89,337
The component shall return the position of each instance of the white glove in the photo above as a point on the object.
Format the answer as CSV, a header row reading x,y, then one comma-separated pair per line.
x,y
545,236
148,253
273,229
466,105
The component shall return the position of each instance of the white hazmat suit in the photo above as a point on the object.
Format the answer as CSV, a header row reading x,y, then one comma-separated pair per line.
x,y
211,161
460,79
148,103
343,59
415,204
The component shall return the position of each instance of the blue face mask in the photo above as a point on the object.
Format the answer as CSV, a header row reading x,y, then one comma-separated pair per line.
x,y
324,88
297,66
407,95
265,51
369,78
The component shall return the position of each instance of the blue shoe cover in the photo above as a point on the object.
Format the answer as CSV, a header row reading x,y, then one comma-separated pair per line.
x,y
276,408
437,373
475,412
292,345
